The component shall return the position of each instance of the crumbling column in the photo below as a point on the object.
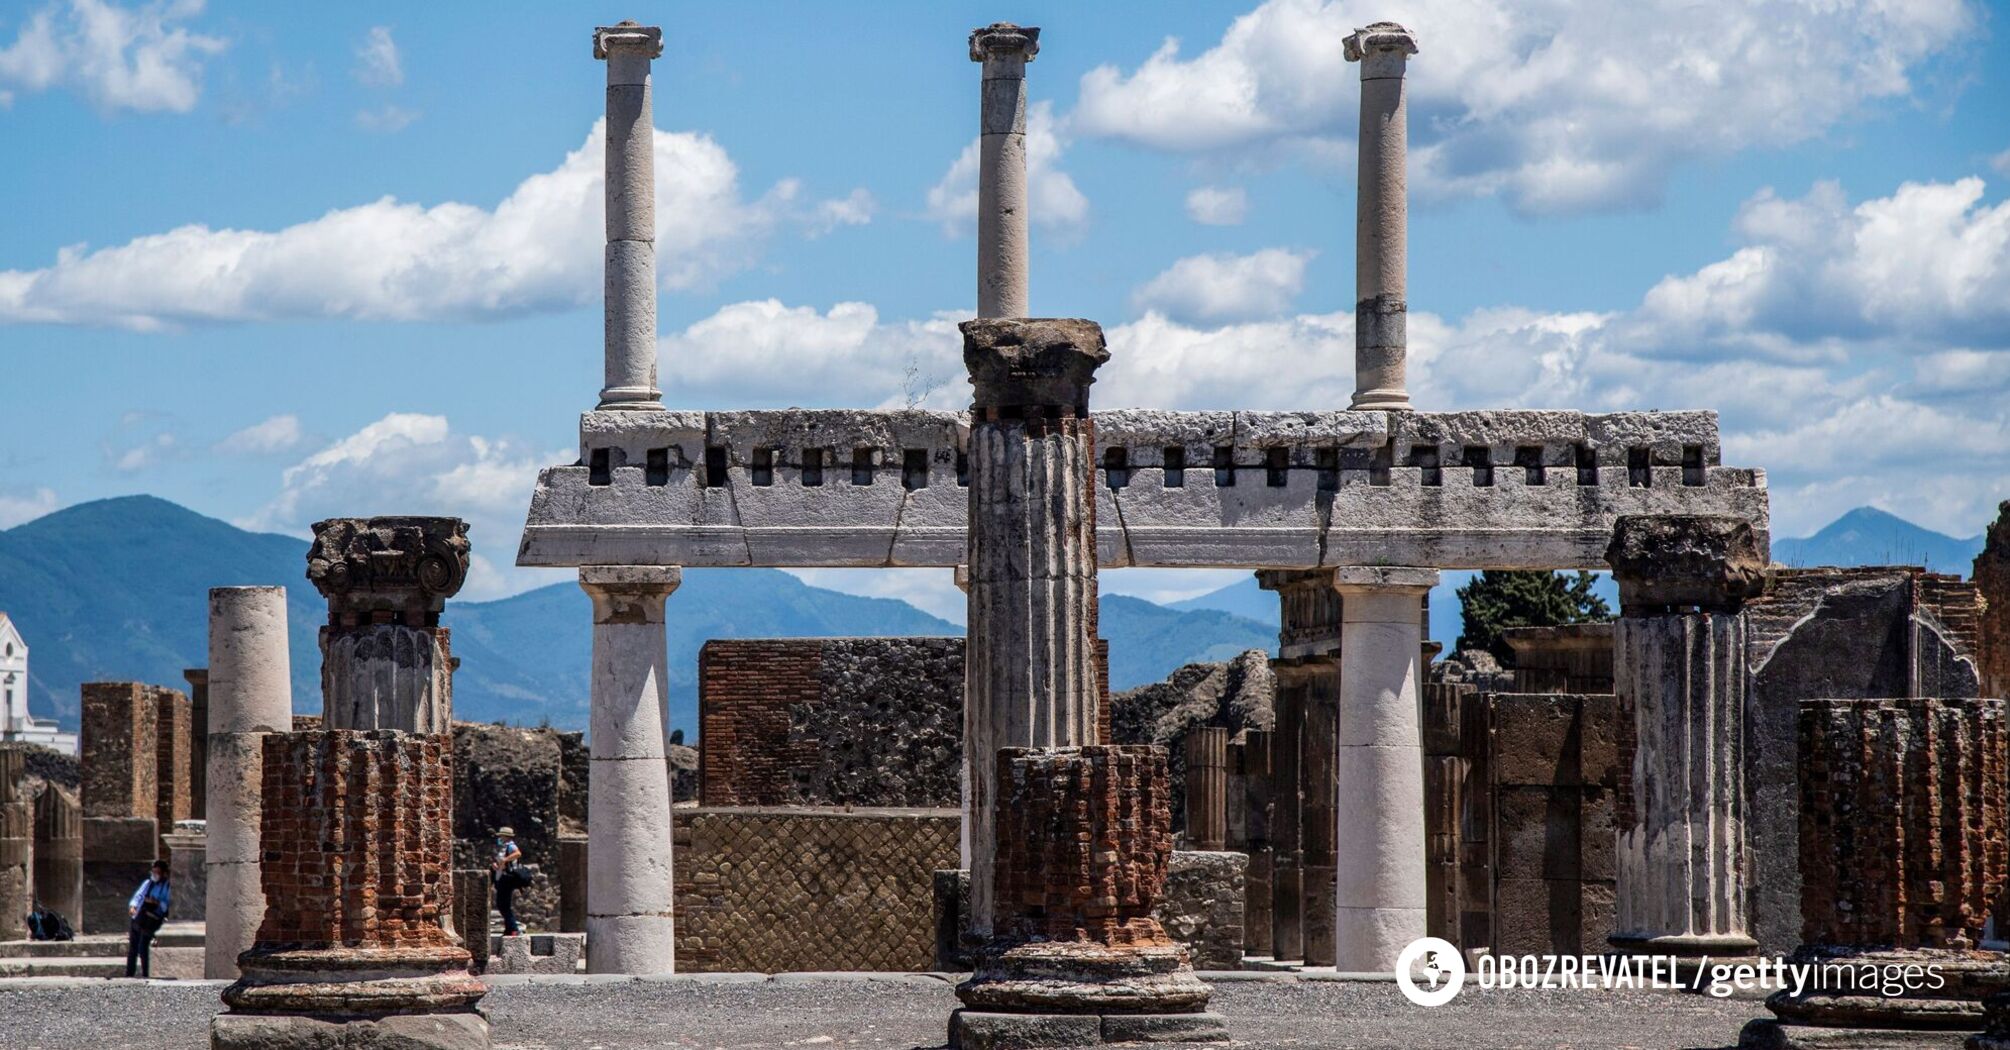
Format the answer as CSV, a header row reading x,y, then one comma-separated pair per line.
x,y
630,309
1379,901
628,892
120,792
1076,958
1207,788
1381,218
1902,825
385,659
1002,243
1030,663
1684,864
198,738
17,841
59,852
355,947
251,695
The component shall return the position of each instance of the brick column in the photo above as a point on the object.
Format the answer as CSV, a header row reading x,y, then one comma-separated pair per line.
x,y
59,852
198,740
1684,862
251,695
1030,669
385,659
1207,788
120,796
1902,849
1085,844
357,830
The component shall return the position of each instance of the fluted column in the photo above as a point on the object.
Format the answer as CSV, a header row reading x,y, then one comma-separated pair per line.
x,y
628,889
1207,788
1001,167
630,310
386,662
1679,672
1030,665
1381,233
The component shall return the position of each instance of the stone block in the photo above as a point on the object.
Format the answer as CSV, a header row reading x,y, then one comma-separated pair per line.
x,y
975,1030
452,1031
1597,836
1202,906
1198,1027
1537,833
117,750
541,953
1536,739
1537,916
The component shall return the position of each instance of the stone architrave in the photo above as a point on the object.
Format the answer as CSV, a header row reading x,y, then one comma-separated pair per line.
x,y
1002,220
630,311
1684,862
356,947
1381,231
1085,836
250,696
1903,855
385,659
1030,669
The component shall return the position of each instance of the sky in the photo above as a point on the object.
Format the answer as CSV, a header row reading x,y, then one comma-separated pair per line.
x,y
279,263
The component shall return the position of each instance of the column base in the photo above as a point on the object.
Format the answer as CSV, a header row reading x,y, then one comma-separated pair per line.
x,y
1077,977
468,1030
977,1030
1968,977
1769,1034
631,944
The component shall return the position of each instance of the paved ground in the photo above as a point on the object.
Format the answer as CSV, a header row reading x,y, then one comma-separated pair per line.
x,y
635,1015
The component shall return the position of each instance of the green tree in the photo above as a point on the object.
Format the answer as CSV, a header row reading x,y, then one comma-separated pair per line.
x,y
1497,599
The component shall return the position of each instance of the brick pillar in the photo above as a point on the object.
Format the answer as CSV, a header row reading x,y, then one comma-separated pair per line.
x,y
1992,578
120,798
1684,860
17,842
357,832
1207,788
471,914
1902,849
173,768
385,659
59,852
1085,845
198,741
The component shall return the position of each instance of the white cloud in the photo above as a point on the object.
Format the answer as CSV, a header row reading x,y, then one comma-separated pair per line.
x,y
121,58
377,61
1226,287
1557,106
386,118
765,353
413,463
539,249
1053,200
16,509
2000,163
275,434
1217,205
146,454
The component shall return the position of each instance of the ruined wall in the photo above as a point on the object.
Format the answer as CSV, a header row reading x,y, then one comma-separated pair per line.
x,y
506,776
1202,906
120,797
174,762
1238,694
1992,581
1556,768
17,843
831,721
779,889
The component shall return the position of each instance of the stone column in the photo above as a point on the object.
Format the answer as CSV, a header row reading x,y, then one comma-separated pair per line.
x,y
1001,168
1207,788
1381,218
1077,958
17,842
1684,864
1030,663
385,659
628,892
1902,824
1287,825
630,309
1379,901
1319,784
1257,786
355,947
59,852
198,720
251,695
1308,675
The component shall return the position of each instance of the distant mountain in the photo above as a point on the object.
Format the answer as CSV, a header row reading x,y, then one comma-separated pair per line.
x,y
117,589
1868,536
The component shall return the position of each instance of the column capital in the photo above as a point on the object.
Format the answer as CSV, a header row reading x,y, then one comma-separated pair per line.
x,y
1028,362
1379,39
1003,39
1680,561
403,566
629,593
1349,579
628,36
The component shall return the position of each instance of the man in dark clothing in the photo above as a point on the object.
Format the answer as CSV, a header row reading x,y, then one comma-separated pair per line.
x,y
149,909
508,876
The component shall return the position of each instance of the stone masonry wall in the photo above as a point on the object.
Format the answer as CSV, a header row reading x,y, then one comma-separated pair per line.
x,y
1202,906
830,721
117,750
1556,768
779,889
174,758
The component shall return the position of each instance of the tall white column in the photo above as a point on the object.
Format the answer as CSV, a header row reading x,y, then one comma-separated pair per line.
x,y
1379,872
250,695
628,888
1381,218
1002,242
630,320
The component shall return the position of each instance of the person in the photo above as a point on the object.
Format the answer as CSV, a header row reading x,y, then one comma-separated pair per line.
x,y
507,875
46,925
149,909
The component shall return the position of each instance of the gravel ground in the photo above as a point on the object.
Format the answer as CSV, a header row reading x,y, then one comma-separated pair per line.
x,y
857,1013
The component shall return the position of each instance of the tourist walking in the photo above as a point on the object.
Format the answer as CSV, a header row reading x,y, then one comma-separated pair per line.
x,y
508,875
149,909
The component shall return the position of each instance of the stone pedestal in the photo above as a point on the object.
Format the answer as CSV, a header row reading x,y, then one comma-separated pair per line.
x,y
1030,669
1684,864
356,830
59,853
1902,848
628,893
250,695
1207,788
385,660
188,869
1002,220
1075,955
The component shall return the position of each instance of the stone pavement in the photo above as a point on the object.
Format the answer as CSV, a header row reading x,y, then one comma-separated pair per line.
x,y
899,1011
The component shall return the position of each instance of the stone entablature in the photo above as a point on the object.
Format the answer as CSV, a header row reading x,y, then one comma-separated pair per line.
x,y
854,488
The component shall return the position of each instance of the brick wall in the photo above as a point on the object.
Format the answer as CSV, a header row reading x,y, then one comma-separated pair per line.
x,y
117,750
174,761
1992,581
830,721
1084,843
778,889
1556,768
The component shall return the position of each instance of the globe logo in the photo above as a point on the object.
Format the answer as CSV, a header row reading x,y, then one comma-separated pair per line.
x,y
1430,971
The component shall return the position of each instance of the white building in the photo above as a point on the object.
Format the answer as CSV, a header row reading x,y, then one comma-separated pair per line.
x,y
17,726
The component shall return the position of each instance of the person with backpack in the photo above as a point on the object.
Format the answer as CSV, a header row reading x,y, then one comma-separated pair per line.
x,y
507,874
46,925
149,909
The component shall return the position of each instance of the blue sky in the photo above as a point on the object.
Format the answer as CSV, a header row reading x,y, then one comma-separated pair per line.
x,y
277,263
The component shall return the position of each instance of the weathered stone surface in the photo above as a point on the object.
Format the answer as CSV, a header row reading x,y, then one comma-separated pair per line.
x,y
1021,362
121,777
506,776
188,869
439,1031
981,1030
1992,577
1571,658
250,695
536,953
1681,561
1238,694
1768,1034
1202,906
388,569
59,851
